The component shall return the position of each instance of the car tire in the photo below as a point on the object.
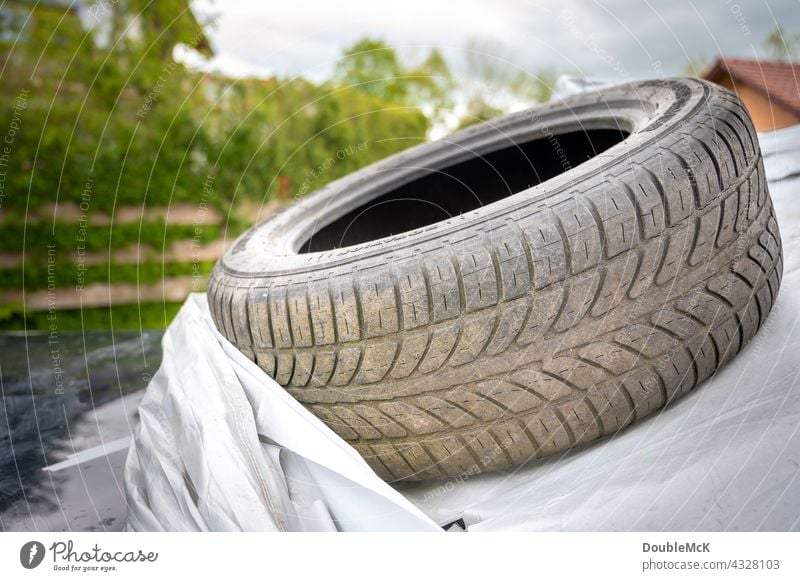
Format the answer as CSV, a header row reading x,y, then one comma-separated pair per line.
x,y
505,293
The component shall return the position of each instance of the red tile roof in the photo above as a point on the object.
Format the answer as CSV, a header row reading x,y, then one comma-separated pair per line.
x,y
777,80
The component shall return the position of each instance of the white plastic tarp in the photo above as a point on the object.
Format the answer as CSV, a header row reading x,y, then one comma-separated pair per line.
x,y
221,446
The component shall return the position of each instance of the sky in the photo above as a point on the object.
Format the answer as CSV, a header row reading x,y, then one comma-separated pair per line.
x,y
615,40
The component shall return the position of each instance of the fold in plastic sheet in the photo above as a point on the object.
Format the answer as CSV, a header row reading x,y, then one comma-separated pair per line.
x,y
221,446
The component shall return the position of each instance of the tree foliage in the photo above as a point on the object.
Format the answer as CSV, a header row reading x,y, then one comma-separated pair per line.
x,y
493,70
371,66
782,45
146,130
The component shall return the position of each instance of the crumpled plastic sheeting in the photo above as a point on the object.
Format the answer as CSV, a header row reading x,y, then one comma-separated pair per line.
x,y
724,457
221,446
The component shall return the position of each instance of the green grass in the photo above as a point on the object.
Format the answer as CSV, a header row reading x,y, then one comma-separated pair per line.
x,y
68,238
123,317
36,275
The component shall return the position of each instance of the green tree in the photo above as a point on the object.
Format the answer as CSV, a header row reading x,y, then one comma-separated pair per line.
x,y
478,110
373,67
493,77
431,85
696,67
781,44
111,109
166,24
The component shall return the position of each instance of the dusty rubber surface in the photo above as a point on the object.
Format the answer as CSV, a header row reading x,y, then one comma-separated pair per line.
x,y
537,322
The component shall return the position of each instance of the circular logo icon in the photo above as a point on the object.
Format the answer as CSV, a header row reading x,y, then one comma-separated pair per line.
x,y
31,554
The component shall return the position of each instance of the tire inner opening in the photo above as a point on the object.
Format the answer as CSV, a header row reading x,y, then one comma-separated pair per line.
x,y
439,194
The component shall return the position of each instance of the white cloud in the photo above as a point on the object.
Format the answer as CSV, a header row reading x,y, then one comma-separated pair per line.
x,y
626,36
308,37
